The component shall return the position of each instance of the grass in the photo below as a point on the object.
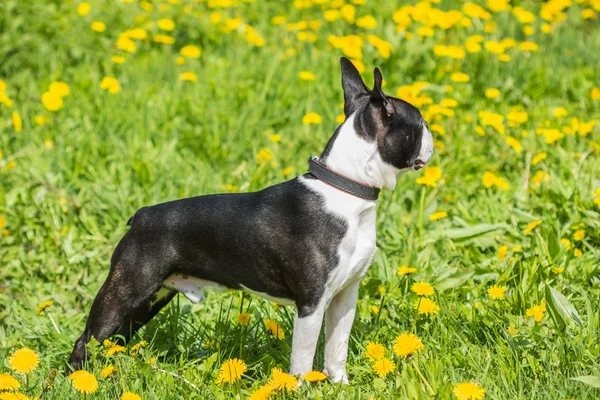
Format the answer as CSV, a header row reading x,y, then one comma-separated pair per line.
x,y
68,186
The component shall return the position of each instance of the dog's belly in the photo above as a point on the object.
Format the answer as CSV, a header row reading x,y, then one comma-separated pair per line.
x,y
193,289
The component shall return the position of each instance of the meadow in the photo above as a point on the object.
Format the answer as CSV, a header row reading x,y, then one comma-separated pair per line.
x,y
486,283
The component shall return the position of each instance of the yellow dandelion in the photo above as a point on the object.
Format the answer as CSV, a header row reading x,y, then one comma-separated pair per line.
x,y
311,118
84,382
17,121
98,26
438,215
406,344
537,312
191,51
307,76
14,396
422,289
512,330
375,351
497,292
264,156
231,371
244,319
83,9
492,93
43,306
164,39
188,77
468,391
579,234
538,158
110,84
107,371
166,24
137,346
24,361
283,380
560,112
532,226
405,270
263,393
115,349
275,330
383,366
558,270
426,306
117,59
431,175
460,77
577,253
130,396
315,376
8,382
59,88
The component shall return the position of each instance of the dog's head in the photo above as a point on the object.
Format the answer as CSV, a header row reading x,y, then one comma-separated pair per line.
x,y
402,136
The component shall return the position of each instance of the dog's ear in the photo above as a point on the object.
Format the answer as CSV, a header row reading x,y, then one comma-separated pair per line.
x,y
353,85
378,98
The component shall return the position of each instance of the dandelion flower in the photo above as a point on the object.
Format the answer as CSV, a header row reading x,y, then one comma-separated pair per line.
x,y
558,270
244,319
231,371
538,158
579,234
263,393
431,175
24,361
17,121
492,93
512,331
43,306
438,215
315,376
275,330
468,391
537,312
83,9
497,292
107,371
188,77
459,77
166,24
383,366
406,344
405,270
307,76
426,306
14,396
115,349
98,26
191,51
110,84
84,382
422,289
264,156
8,382
59,88
283,380
311,118
375,351
130,396
532,226
577,253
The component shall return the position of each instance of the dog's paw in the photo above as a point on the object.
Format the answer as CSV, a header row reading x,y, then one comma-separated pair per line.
x,y
337,376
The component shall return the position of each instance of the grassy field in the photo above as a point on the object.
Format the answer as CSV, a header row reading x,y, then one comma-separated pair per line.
x,y
109,106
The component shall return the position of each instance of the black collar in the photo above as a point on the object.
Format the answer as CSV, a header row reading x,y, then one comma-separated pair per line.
x,y
319,170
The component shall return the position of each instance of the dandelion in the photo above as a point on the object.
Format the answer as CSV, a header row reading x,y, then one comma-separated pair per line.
x,y
231,371
426,306
164,39
59,88
107,371
283,380
315,376
190,51
577,253
422,289
528,46
98,26
492,93
126,44
595,93
275,330
566,243
311,118
375,351
130,396
115,349
596,196
24,361
405,270
43,306
512,330
558,270
407,344
263,393
431,175
188,77
383,366
578,235
538,158
264,155
497,292
110,84
166,24
532,226
52,101
537,312
468,391
84,382
366,22
460,77
502,251
438,215
560,112
17,121
307,76
244,319
137,346
14,396
83,9
8,382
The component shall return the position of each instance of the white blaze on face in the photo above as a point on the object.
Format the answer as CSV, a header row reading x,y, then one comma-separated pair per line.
x,y
426,146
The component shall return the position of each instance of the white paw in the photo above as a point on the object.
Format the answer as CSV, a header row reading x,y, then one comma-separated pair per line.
x,y
337,375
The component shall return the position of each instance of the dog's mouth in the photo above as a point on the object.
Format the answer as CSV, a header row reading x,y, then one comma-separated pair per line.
x,y
418,165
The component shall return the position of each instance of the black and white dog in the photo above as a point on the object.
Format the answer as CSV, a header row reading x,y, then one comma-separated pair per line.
x,y
306,242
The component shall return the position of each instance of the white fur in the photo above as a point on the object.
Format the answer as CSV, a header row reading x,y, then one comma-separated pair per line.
x,y
426,146
190,287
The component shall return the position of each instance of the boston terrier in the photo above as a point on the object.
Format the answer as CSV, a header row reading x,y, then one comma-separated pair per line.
x,y
306,242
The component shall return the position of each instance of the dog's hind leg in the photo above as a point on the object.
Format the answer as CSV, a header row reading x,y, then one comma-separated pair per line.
x,y
122,306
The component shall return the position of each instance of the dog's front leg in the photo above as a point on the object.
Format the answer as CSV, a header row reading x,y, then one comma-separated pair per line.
x,y
304,341
339,320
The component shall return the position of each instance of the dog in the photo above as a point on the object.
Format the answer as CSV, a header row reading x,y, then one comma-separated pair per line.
x,y
306,242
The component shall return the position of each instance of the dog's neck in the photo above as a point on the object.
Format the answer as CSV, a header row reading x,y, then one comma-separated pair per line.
x,y
358,159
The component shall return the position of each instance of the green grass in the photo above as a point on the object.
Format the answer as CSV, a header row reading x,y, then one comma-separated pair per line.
x,y
159,139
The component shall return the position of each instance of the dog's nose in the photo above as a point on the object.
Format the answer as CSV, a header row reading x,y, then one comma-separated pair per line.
x,y
418,165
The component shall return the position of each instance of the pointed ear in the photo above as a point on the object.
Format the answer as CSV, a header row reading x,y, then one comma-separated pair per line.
x,y
353,85
377,95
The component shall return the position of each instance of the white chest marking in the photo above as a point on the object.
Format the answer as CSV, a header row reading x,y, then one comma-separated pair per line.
x,y
190,287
